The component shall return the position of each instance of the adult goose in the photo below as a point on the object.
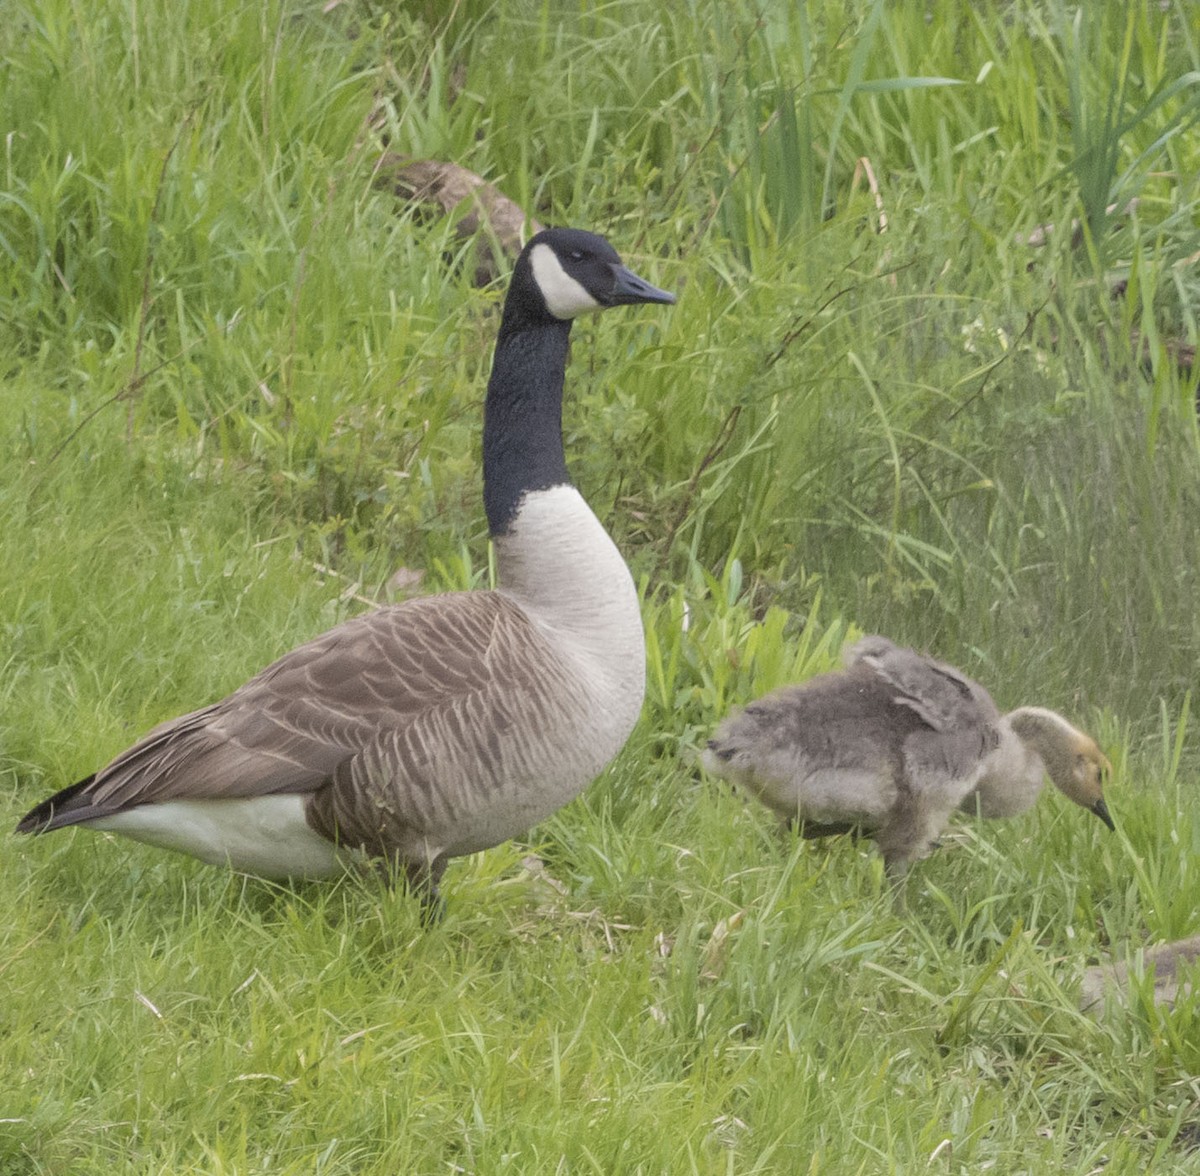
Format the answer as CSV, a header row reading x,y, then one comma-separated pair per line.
x,y
444,725
892,745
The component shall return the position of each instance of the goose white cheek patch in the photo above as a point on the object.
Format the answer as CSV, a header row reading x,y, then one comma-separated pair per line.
x,y
565,297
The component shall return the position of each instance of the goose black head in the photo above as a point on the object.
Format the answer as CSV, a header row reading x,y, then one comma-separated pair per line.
x,y
563,273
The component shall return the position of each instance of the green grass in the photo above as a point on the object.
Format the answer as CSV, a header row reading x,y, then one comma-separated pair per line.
x,y
231,358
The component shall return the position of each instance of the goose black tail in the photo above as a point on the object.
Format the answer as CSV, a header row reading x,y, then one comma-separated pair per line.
x,y
57,810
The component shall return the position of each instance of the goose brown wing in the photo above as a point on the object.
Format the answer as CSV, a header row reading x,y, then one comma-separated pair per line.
x,y
290,726
447,775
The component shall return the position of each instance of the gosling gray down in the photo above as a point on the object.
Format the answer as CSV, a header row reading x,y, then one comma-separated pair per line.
x,y
443,725
891,745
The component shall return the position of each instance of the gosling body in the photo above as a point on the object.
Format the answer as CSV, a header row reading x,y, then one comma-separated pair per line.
x,y
892,745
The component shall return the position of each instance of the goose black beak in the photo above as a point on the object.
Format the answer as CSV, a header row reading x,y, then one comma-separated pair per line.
x,y
628,288
1101,810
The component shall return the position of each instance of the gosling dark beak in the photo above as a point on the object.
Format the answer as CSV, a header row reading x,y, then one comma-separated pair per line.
x,y
629,288
1101,810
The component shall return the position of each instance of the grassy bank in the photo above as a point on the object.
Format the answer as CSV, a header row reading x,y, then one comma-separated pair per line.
x,y
242,390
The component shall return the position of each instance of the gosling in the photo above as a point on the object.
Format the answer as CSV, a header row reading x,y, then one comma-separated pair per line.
x,y
891,745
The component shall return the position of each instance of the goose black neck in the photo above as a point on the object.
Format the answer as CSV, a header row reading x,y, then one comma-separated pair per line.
x,y
522,418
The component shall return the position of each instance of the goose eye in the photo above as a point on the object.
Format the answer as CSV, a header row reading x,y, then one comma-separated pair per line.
x,y
575,255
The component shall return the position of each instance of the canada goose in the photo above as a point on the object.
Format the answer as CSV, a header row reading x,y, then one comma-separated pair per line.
x,y
1165,959
891,745
443,725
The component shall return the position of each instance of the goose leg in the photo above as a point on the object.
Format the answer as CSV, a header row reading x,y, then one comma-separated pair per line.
x,y
423,879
